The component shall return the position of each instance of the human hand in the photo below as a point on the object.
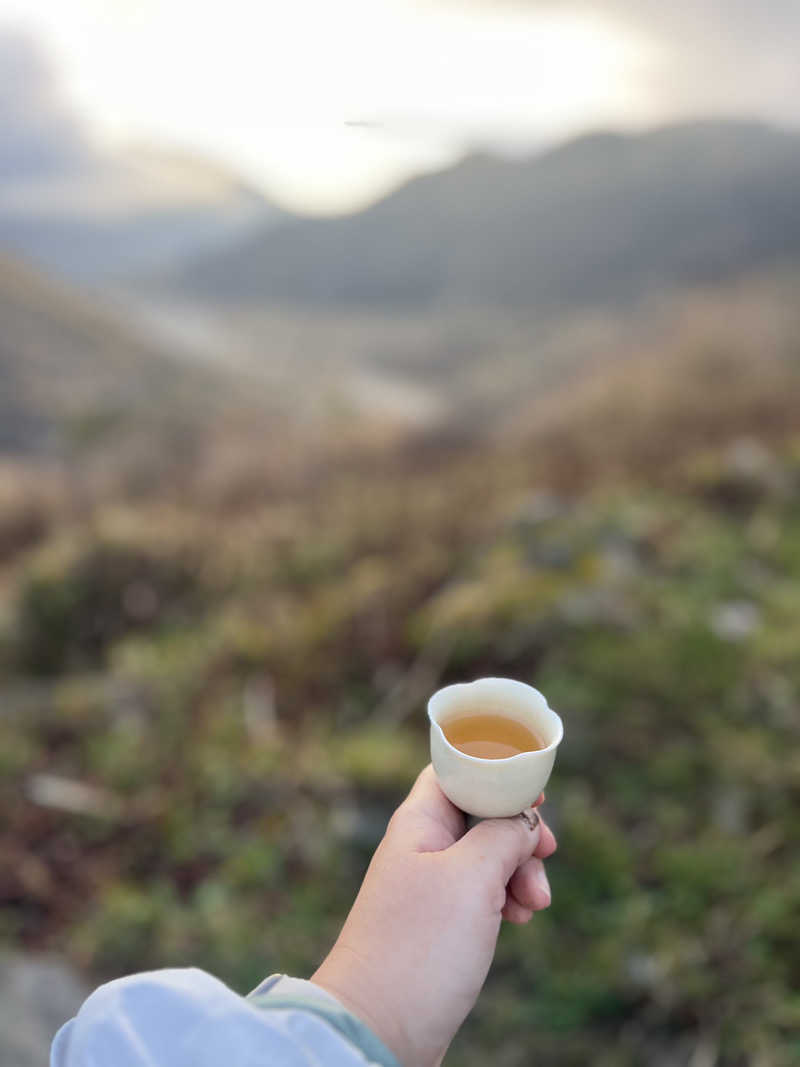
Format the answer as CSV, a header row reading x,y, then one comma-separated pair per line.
x,y
417,945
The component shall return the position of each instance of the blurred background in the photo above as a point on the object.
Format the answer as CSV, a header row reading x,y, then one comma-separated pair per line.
x,y
350,349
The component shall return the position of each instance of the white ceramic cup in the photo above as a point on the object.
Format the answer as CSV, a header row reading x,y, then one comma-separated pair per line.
x,y
491,788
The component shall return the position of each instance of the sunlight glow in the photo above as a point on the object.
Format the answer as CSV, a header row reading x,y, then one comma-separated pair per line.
x,y
326,103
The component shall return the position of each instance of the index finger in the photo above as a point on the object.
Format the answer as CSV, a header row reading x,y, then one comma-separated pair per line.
x,y
427,816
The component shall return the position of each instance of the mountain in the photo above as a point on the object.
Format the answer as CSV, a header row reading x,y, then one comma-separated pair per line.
x,y
602,218
89,211
73,373
140,210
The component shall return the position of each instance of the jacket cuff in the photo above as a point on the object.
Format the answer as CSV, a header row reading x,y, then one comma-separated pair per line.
x,y
281,992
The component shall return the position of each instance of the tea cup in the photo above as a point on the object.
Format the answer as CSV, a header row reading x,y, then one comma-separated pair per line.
x,y
490,788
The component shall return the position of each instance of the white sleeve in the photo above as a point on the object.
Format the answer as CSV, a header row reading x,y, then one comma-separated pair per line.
x,y
187,1018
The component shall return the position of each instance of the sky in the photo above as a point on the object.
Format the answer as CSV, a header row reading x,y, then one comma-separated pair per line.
x,y
327,104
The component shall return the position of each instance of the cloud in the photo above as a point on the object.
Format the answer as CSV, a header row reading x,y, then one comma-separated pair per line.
x,y
50,169
725,23
38,136
712,56
734,56
738,18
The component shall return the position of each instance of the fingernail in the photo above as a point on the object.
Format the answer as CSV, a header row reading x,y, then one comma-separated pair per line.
x,y
542,885
531,819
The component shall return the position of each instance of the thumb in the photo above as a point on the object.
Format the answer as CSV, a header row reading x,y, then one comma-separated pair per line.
x,y
508,843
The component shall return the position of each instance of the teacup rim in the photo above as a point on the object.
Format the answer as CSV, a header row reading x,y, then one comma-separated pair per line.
x,y
505,759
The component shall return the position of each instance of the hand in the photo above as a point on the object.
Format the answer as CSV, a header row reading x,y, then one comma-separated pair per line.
x,y
417,945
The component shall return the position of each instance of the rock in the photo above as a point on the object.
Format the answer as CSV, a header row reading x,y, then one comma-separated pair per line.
x,y
65,794
619,560
748,458
259,709
730,809
735,620
539,506
37,995
598,606
747,475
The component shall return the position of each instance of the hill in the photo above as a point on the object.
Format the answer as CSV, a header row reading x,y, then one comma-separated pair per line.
x,y
213,696
209,716
606,217
73,372
86,209
139,210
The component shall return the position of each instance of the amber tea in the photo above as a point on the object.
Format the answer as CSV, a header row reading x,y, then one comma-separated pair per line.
x,y
490,736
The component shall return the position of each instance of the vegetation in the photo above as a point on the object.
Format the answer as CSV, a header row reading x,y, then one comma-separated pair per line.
x,y
209,715
221,617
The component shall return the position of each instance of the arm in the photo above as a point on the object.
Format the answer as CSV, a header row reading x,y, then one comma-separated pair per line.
x,y
402,977
416,948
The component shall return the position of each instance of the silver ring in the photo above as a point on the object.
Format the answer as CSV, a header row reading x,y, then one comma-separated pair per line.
x,y
531,820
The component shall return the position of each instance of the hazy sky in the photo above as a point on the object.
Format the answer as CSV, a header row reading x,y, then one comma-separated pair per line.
x,y
326,103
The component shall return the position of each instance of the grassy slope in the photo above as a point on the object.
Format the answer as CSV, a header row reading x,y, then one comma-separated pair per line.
x,y
77,379
239,671
254,709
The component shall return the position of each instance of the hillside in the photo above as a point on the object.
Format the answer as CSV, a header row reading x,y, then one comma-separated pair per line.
x,y
141,210
210,714
606,217
85,208
213,695
73,372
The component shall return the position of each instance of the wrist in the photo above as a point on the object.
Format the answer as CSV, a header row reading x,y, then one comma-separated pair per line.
x,y
366,995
